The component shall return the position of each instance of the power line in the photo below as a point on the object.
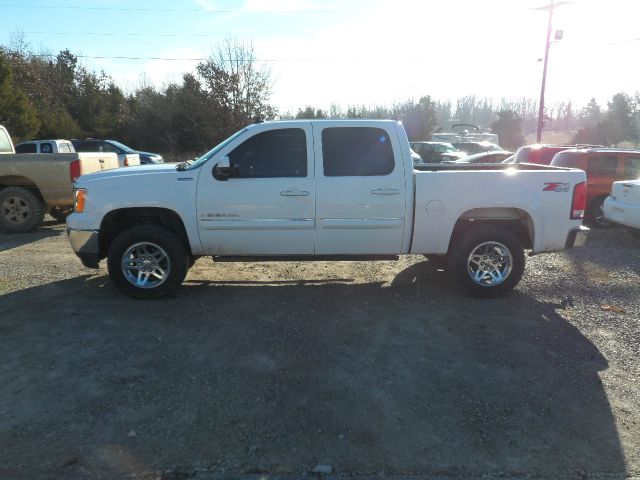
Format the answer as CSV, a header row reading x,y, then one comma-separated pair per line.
x,y
624,41
172,10
267,60
116,34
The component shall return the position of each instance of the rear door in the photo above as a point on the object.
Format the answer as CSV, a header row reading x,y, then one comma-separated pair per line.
x,y
360,206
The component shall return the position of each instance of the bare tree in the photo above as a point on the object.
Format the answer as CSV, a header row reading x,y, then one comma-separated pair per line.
x,y
239,87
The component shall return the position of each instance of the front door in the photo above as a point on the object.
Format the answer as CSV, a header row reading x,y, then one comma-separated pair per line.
x,y
268,206
360,190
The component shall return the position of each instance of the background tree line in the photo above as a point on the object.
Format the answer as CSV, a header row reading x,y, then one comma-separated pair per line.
x,y
45,95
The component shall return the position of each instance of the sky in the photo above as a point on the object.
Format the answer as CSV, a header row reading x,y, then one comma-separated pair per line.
x,y
352,52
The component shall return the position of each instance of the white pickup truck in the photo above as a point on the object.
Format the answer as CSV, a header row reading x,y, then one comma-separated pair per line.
x,y
322,190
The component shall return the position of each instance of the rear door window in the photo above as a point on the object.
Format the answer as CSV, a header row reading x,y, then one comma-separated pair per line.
x,y
25,147
356,152
632,168
46,147
602,164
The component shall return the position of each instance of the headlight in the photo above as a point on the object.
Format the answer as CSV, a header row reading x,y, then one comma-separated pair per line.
x,y
79,199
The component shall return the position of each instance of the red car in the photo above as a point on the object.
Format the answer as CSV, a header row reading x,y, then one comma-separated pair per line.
x,y
603,166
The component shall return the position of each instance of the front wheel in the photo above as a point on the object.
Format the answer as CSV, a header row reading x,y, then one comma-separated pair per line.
x,y
487,260
147,262
21,210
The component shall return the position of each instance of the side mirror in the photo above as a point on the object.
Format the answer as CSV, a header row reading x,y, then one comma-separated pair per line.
x,y
223,169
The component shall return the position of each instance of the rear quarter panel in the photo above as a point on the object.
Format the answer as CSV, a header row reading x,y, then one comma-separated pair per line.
x,y
443,197
49,172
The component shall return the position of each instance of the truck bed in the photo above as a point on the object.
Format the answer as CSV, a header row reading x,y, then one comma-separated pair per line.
x,y
537,196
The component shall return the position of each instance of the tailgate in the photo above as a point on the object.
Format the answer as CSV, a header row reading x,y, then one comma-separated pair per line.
x,y
91,162
626,192
133,159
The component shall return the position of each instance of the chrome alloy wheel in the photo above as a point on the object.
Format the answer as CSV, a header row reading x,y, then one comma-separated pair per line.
x,y
146,265
489,264
15,210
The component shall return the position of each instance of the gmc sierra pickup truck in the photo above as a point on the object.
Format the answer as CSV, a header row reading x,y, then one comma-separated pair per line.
x,y
322,190
32,184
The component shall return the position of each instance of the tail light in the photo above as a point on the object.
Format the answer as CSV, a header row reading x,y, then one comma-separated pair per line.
x,y
75,170
579,201
126,162
79,199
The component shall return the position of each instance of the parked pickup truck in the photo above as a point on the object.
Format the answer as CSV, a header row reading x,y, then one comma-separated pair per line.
x,y
322,190
33,183
623,205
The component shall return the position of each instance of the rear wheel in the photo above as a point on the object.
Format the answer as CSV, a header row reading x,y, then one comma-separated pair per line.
x,y
596,214
147,262
487,260
21,210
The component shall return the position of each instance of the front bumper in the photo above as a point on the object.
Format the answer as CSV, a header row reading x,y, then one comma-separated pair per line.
x,y
577,237
86,244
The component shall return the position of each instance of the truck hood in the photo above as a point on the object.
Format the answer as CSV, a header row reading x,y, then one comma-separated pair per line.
x,y
138,170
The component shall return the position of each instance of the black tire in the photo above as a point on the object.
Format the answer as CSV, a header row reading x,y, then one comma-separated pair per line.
x,y
21,210
468,241
171,248
60,213
596,214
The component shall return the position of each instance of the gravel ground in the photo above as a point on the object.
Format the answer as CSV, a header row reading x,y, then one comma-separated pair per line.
x,y
352,369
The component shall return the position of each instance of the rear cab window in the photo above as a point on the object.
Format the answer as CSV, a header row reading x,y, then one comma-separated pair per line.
x,y
5,142
356,152
65,147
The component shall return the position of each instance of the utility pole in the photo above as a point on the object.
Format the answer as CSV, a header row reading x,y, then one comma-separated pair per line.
x,y
551,7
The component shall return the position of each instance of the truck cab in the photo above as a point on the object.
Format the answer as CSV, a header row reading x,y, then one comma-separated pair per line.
x,y
45,146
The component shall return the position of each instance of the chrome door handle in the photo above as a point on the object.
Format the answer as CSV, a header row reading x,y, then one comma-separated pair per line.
x,y
385,191
294,193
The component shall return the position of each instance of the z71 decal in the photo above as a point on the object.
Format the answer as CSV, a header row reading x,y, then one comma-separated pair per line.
x,y
555,187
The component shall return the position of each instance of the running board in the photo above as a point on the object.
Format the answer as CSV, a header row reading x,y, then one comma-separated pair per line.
x,y
308,258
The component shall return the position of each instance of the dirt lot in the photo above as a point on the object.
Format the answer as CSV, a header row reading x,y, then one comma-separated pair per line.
x,y
269,370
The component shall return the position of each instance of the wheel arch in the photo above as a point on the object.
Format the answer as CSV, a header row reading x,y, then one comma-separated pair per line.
x,y
20,181
119,220
515,220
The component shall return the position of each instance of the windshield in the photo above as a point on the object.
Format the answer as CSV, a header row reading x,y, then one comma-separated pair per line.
x,y
203,159
122,146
